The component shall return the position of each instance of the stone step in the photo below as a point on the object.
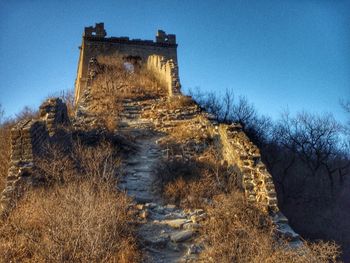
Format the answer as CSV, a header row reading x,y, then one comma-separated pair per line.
x,y
175,223
181,236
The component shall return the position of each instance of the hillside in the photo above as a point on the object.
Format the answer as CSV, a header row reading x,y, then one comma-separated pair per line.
x,y
135,171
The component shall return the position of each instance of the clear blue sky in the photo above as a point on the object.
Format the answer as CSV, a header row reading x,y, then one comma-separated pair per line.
x,y
279,54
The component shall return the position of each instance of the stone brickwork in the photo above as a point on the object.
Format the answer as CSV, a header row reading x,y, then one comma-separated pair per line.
x,y
54,113
167,70
28,141
240,156
239,151
95,43
244,157
139,117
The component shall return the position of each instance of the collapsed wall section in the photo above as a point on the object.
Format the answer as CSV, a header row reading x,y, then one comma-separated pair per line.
x,y
29,139
54,113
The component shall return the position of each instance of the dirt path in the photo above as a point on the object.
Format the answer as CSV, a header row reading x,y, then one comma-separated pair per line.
x,y
167,233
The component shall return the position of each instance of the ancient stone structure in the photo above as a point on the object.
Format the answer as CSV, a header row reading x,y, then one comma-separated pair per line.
x,y
160,55
28,141
141,117
167,71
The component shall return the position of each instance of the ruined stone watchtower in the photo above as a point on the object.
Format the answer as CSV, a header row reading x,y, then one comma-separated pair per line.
x,y
159,55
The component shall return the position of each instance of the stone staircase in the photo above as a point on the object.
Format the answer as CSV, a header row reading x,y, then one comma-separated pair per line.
x,y
167,233
130,119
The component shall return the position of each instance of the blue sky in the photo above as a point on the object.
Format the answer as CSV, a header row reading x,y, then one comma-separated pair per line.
x,y
280,54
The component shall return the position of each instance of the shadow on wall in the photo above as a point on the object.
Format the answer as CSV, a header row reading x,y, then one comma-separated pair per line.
x,y
28,141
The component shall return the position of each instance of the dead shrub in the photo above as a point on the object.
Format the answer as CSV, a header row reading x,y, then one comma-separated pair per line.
x,y
239,232
192,183
99,161
76,222
77,216
57,165
193,193
96,163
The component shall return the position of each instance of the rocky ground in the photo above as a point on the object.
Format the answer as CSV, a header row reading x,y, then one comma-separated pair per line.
x,y
167,233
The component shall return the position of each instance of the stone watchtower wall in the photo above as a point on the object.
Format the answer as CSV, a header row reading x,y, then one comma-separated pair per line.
x,y
167,71
159,55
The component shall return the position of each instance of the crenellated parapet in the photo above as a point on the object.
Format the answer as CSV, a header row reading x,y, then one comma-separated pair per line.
x,y
95,31
164,38
95,43
167,70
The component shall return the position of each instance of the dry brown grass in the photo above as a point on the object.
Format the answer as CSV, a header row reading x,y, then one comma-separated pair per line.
x,y
113,83
192,183
182,183
188,132
239,232
235,230
77,216
79,222
115,79
179,102
5,152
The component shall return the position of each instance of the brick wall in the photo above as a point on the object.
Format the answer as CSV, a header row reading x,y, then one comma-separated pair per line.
x,y
28,141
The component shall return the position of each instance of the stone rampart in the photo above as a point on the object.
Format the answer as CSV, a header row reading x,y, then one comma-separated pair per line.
x,y
54,113
244,157
28,141
239,151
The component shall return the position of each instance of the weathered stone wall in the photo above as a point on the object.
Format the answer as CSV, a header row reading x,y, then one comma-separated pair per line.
x,y
54,113
167,70
241,154
95,43
239,151
28,141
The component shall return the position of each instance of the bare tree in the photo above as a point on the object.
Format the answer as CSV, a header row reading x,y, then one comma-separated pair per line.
x,y
346,107
212,103
314,139
26,113
243,112
227,106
